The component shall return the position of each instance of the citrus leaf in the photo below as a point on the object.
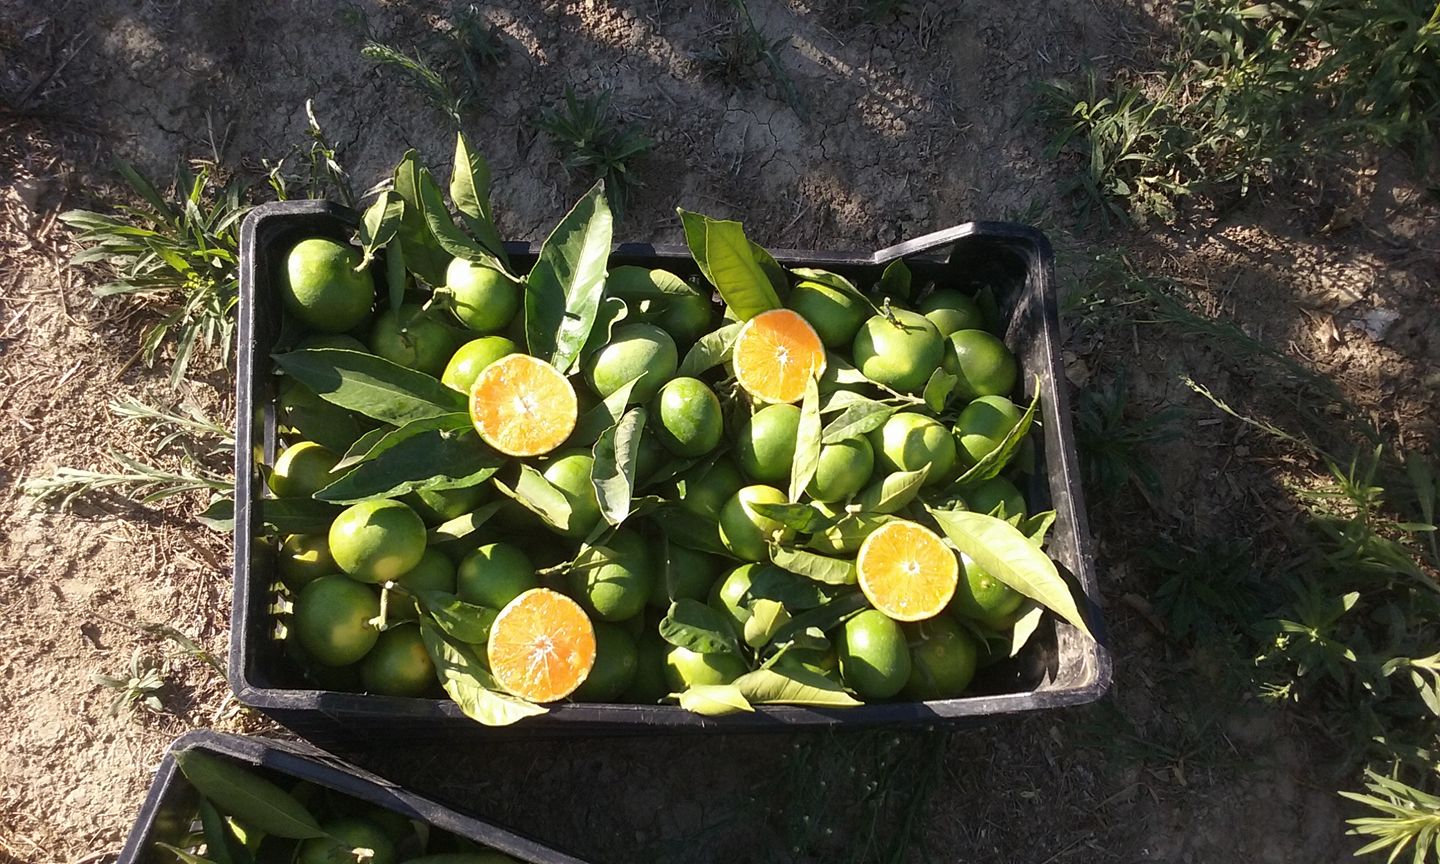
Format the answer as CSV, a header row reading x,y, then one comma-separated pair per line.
x,y
709,351
995,461
831,571
893,492
371,385
693,625
803,518
842,370
731,266
423,256
794,686
616,455
297,515
377,441
636,284
470,190
217,835
395,276
771,268
713,700
695,228
1025,626
938,389
1036,527
460,620
689,529
470,685
858,418
562,293
836,281
822,618
463,526
434,459
795,592
245,795
536,494
1003,552
842,399
378,225
219,515
807,441
186,856
612,311
895,281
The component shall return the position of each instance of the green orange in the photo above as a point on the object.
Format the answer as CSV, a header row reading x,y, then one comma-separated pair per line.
x,y
745,532
482,298
615,662
942,659
844,469
874,657
398,665
303,469
765,447
983,425
413,338
949,310
686,417
613,582
984,366
900,350
469,359
635,351
495,574
834,314
571,473
332,619
321,287
909,441
376,541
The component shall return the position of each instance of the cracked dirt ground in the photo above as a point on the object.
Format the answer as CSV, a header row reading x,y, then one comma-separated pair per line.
x,y
908,126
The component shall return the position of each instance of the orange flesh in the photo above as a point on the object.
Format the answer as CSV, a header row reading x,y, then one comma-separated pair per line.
x,y
775,353
542,646
522,406
907,571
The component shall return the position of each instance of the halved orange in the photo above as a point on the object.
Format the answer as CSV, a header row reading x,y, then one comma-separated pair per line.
x,y
523,406
542,646
907,571
774,355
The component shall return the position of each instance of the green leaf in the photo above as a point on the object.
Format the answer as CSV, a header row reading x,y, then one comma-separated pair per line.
x,y
995,461
377,441
858,418
395,281
562,293
1003,552
536,494
422,256
842,370
616,455
821,568
728,260
689,529
463,526
771,268
434,459
796,593
938,389
1025,626
1037,526
460,620
837,282
217,834
691,624
184,855
446,233
713,700
807,441
244,795
636,284
611,312
894,492
593,423
297,515
822,618
470,190
370,385
470,685
378,225
895,281
695,230
709,351
219,515
794,686
803,518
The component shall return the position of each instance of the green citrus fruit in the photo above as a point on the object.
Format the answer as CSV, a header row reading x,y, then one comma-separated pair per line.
x,y
730,596
469,359
687,417
743,531
435,572
398,665
495,574
571,474
484,299
949,310
693,574
910,441
302,470
304,558
332,620
437,506
641,351
995,493
983,598
705,490
321,287
834,314
874,658
412,338
942,659
844,469
901,355
331,340
686,317
343,835
766,445
613,581
303,413
845,537
983,425
376,541
614,669
685,669
983,364
648,686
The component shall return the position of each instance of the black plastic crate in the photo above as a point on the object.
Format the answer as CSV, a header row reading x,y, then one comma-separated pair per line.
x,y
169,808
1059,667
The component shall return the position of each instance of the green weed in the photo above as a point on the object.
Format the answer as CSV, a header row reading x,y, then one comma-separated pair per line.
x,y
324,177
595,143
137,687
1206,588
1115,444
743,50
1408,818
417,73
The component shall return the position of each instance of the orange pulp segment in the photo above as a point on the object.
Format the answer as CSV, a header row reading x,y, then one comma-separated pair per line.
x,y
523,406
775,353
542,646
906,571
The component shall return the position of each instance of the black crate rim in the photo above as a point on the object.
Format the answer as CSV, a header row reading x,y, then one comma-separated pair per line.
x,y
573,717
